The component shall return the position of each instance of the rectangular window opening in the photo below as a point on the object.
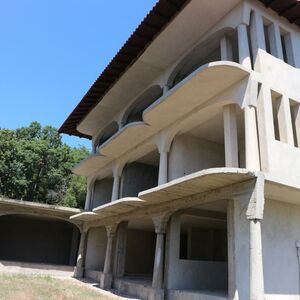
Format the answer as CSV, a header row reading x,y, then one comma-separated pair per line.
x,y
202,240
276,99
287,48
294,107
283,48
267,38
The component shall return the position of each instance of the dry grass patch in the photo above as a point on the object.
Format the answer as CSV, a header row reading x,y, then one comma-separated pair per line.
x,y
29,287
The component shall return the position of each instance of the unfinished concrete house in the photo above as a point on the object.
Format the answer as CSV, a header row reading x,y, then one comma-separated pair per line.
x,y
194,179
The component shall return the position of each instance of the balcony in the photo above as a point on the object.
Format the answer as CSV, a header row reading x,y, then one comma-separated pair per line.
x,y
188,96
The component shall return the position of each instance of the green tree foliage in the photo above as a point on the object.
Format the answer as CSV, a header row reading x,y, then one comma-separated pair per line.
x,y
35,165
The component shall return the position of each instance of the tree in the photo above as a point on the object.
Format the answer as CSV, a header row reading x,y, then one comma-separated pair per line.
x,y
35,165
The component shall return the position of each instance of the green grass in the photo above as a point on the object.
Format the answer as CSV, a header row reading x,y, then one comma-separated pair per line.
x,y
29,287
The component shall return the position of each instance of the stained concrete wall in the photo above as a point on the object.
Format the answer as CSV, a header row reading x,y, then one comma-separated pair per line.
x,y
31,239
190,154
102,192
96,248
280,232
137,177
190,274
140,251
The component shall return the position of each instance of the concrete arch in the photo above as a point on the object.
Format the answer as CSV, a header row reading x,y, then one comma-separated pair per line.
x,y
38,239
105,134
78,226
205,52
134,112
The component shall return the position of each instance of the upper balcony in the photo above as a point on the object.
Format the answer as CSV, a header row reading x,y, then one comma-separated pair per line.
x,y
194,105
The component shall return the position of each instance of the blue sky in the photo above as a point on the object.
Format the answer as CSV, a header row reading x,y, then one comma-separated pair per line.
x,y
51,51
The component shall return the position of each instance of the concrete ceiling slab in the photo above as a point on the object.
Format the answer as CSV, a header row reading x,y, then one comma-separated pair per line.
x,y
199,182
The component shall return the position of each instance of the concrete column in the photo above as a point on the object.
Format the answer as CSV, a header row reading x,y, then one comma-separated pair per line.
x,y
256,262
89,195
120,253
231,250
257,34
79,269
275,40
157,281
285,121
230,136
160,223
251,139
243,44
163,167
226,49
106,276
116,187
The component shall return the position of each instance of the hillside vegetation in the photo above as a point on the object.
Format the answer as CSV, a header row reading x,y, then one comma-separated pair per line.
x,y
35,165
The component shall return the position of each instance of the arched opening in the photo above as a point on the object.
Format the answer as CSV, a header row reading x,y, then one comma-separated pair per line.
x,y
107,133
135,111
140,175
206,52
102,192
35,239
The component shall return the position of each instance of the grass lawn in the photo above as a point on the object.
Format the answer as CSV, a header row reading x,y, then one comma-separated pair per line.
x,y
30,287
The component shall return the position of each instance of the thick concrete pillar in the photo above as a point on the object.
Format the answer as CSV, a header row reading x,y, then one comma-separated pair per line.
x,y
231,250
230,136
251,139
106,276
163,167
257,36
120,253
243,44
256,263
157,281
226,49
79,269
116,187
160,224
254,214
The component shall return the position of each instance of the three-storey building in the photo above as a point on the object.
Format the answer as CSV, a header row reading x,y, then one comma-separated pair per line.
x,y
194,180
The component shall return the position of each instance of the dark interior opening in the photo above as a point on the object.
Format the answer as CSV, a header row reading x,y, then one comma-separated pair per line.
x,y
38,240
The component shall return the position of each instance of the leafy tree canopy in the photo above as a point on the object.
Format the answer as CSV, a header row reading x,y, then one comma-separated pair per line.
x,y
35,165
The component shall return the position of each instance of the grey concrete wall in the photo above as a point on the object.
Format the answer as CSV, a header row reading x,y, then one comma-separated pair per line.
x,y
280,232
102,192
190,274
137,177
31,239
96,248
140,251
189,154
